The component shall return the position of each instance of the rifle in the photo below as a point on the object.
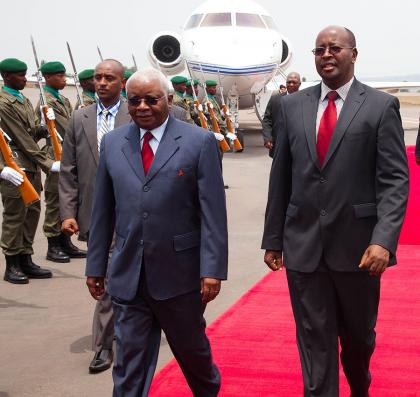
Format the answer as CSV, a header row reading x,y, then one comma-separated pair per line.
x,y
224,146
27,191
236,144
203,120
75,78
50,123
100,54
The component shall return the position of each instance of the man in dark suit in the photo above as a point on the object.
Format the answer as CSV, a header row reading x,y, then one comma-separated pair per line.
x,y
159,183
336,203
80,159
292,85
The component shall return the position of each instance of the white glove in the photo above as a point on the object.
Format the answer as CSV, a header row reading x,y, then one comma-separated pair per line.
x,y
50,116
222,113
56,166
199,107
231,136
210,104
219,136
9,174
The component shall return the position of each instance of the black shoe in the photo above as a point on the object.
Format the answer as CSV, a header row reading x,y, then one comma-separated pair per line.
x,y
69,248
13,273
31,269
55,252
101,361
226,186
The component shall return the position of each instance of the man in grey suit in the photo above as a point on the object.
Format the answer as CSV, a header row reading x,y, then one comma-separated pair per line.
x,y
80,159
337,198
159,183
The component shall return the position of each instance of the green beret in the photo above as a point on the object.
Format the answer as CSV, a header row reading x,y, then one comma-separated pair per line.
x,y
211,83
86,74
179,79
13,65
53,68
128,74
189,83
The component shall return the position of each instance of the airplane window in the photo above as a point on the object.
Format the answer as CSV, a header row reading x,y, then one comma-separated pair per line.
x,y
217,19
269,21
249,20
193,21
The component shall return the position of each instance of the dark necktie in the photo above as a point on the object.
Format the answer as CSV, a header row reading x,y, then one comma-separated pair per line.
x,y
326,127
147,154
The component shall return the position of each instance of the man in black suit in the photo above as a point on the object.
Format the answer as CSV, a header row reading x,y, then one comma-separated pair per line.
x,y
337,198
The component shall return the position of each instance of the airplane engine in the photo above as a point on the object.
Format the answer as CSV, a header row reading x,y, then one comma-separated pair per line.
x,y
286,56
165,53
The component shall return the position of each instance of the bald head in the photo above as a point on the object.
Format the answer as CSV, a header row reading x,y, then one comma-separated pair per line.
x,y
293,82
345,33
109,81
112,64
148,76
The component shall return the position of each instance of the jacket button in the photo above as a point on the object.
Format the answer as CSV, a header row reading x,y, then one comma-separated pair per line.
x,y
145,215
146,188
141,242
322,179
323,212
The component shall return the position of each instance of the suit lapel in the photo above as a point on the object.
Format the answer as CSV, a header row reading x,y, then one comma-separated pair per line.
x,y
89,124
123,116
351,106
168,146
309,111
132,150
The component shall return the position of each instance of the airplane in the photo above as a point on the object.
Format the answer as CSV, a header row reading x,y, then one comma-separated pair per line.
x,y
235,42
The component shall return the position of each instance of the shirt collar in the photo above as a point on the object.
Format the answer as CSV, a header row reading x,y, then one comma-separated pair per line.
x,y
342,91
179,93
113,109
13,92
156,132
89,94
54,92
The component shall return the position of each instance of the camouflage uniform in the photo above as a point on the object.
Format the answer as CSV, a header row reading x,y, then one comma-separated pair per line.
x,y
179,101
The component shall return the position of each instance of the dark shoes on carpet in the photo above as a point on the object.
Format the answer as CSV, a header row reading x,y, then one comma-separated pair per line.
x,y
102,360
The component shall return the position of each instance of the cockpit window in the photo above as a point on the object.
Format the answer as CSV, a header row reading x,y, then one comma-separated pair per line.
x,y
217,19
269,21
249,20
193,21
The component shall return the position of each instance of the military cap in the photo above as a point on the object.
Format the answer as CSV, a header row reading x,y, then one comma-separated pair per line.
x,y
211,83
86,74
189,83
128,74
13,65
52,68
179,79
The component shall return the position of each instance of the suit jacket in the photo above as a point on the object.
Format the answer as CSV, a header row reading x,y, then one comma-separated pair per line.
x,y
357,198
79,162
267,121
172,221
179,113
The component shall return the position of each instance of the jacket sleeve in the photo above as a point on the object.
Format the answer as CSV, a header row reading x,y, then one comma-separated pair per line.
x,y
391,178
214,234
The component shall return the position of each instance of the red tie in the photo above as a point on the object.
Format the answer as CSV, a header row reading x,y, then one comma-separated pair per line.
x,y
326,127
147,152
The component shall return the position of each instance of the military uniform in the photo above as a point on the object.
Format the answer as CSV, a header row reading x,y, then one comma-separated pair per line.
x,y
216,109
88,99
19,224
178,99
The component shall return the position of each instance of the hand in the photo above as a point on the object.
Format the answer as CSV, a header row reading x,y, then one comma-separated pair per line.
x,y
274,260
11,175
231,136
219,136
56,166
70,226
210,288
199,108
418,160
96,286
268,145
50,114
375,259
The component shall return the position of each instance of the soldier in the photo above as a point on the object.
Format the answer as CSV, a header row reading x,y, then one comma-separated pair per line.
x,y
127,75
19,225
179,83
86,82
60,247
189,100
211,89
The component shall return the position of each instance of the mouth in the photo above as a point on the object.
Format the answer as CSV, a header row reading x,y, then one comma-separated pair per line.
x,y
328,66
102,91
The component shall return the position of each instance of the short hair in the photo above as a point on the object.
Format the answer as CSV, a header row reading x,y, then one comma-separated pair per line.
x,y
148,75
293,74
352,37
120,66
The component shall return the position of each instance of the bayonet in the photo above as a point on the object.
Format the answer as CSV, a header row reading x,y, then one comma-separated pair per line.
x,y
100,54
75,77
135,63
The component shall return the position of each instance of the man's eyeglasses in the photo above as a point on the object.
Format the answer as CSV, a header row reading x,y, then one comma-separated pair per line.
x,y
333,50
149,100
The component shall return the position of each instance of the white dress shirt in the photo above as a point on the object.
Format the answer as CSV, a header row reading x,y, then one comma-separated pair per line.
x,y
157,136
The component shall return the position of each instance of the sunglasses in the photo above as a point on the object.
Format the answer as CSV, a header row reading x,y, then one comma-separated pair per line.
x,y
333,50
149,100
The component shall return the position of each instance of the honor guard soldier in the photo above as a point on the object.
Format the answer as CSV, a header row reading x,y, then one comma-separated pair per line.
x,y
127,75
60,247
211,89
19,225
179,83
86,82
189,99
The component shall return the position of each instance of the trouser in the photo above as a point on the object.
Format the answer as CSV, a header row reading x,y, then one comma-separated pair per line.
x,y
328,306
103,324
52,221
138,325
19,222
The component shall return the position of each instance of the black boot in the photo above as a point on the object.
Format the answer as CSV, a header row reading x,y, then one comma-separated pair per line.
x,y
31,269
13,273
55,252
69,248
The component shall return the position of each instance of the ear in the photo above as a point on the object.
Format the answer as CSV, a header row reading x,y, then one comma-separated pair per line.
x,y
354,55
170,99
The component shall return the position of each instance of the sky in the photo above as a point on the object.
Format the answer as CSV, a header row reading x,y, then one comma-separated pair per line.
x,y
387,31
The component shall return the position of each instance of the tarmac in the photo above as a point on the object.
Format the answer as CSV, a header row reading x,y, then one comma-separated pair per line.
x,y
45,326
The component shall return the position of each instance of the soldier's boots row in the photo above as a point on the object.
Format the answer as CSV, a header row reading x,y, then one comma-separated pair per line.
x,y
20,268
61,249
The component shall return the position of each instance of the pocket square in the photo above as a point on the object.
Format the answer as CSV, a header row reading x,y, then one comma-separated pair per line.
x,y
180,172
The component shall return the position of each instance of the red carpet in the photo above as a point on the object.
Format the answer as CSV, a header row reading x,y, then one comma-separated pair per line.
x,y
254,341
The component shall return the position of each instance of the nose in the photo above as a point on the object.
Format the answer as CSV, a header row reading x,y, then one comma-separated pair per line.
x,y
327,53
